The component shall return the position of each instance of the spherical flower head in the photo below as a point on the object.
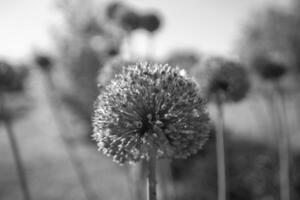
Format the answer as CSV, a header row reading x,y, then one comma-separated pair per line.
x,y
227,80
269,69
129,20
150,22
44,62
150,107
12,79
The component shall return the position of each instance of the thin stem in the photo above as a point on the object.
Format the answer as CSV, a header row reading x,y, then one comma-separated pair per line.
x,y
220,153
283,147
59,121
15,150
151,182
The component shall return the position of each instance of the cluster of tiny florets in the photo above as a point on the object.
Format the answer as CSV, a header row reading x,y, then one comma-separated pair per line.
x,y
227,80
150,107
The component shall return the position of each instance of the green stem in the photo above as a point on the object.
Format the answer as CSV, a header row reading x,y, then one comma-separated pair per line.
x,y
151,182
220,153
15,150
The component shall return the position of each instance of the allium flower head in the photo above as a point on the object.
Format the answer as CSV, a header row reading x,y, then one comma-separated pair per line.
x,y
150,106
150,22
44,62
129,20
226,79
12,79
269,69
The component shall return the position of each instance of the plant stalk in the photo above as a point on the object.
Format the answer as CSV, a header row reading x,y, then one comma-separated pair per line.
x,y
220,152
151,179
15,150
283,146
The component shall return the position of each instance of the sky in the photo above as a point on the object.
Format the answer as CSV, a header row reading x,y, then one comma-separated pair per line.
x,y
209,26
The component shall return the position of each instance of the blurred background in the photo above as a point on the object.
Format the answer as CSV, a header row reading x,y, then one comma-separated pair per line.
x,y
57,54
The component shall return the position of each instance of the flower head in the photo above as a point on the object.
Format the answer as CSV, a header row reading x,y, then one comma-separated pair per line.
x,y
44,62
12,79
150,106
268,68
227,80
129,20
150,22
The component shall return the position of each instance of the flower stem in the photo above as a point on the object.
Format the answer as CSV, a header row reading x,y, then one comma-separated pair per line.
x,y
220,153
283,146
15,150
151,165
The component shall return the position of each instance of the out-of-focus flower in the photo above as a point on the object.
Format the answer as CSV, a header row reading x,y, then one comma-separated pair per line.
x,y
150,106
269,69
129,20
150,22
227,80
12,79
44,62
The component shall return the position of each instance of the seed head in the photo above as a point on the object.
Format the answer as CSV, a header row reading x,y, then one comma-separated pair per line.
x,y
269,69
150,106
227,80
150,22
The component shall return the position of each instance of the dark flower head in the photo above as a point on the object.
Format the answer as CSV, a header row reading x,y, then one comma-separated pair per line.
x,y
129,20
12,79
44,62
150,22
269,69
150,107
227,80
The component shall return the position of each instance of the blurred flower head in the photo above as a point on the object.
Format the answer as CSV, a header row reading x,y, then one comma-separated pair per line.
x,y
268,68
150,22
44,62
227,80
150,107
129,20
12,79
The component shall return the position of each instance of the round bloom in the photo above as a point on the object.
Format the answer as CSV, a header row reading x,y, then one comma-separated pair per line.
x,y
44,62
150,107
150,22
12,79
227,80
269,69
129,20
